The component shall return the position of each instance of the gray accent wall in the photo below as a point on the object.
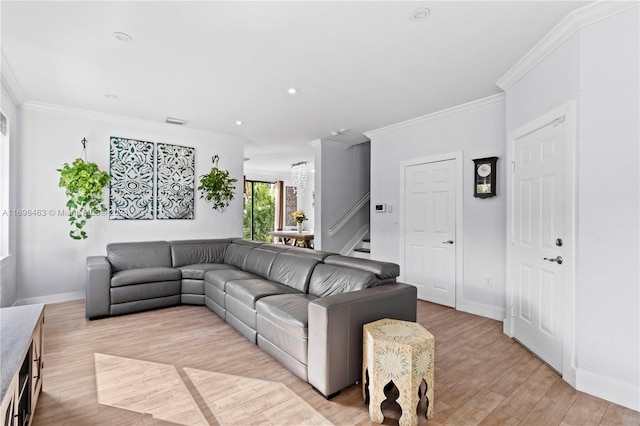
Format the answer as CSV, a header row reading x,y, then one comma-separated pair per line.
x,y
342,178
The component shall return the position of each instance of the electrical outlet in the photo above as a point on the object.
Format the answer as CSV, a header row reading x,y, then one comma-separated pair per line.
x,y
488,282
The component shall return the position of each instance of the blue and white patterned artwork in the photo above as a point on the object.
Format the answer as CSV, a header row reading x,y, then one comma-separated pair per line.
x,y
131,169
175,182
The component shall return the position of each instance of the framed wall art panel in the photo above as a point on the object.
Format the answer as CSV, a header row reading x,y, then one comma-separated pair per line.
x,y
175,182
291,205
131,165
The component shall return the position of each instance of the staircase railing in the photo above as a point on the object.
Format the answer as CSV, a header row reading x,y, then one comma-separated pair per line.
x,y
350,213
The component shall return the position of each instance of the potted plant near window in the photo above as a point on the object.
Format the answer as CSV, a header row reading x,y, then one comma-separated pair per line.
x,y
217,188
83,183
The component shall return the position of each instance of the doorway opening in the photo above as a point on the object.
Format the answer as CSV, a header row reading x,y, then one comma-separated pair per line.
x,y
259,210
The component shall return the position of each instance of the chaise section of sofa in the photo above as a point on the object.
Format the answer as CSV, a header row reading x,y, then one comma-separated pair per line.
x,y
304,307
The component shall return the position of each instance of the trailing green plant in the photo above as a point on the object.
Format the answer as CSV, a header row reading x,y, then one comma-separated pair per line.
x,y
217,188
83,183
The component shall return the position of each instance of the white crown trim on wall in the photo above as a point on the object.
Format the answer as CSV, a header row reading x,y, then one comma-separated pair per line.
x,y
149,125
572,23
458,109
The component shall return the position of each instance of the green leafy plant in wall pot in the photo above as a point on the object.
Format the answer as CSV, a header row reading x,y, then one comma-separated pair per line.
x,y
217,187
83,183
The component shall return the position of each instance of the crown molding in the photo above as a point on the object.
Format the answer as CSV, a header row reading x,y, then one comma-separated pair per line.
x,y
571,24
456,110
10,82
126,121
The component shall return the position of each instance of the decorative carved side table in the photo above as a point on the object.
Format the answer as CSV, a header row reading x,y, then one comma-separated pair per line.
x,y
401,352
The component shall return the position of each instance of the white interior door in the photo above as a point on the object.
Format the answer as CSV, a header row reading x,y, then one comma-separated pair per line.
x,y
429,219
538,247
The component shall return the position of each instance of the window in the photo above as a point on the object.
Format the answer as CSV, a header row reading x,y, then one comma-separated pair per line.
x,y
259,210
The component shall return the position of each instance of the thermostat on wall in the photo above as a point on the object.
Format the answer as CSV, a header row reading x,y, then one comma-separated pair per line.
x,y
381,208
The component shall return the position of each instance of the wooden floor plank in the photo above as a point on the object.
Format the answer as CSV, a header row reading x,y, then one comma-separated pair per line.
x,y
482,376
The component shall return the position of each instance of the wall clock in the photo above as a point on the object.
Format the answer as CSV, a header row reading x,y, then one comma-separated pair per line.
x,y
484,177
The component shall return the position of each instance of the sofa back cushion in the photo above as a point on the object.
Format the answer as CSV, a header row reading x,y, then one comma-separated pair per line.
x,y
236,254
259,262
191,252
314,254
384,271
292,271
331,279
244,242
145,254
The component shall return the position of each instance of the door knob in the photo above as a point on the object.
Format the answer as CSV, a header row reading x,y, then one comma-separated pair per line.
x,y
557,259
448,242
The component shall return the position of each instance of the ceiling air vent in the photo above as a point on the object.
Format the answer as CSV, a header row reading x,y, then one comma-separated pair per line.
x,y
178,121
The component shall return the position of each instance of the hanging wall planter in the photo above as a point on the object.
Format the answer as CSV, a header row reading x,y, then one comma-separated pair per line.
x,y
217,187
83,183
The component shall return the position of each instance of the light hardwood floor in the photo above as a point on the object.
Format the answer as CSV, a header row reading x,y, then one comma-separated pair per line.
x,y
185,365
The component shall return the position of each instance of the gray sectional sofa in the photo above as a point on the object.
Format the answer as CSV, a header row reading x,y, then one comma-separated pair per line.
x,y
306,308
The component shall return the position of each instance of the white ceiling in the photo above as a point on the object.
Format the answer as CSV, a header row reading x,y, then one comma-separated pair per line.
x,y
357,65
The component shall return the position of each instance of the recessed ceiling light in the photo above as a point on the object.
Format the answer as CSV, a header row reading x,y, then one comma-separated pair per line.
x,y
420,14
122,36
239,123
292,91
178,121
111,96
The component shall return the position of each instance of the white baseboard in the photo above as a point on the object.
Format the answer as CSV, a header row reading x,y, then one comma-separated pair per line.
x,y
52,298
621,393
481,309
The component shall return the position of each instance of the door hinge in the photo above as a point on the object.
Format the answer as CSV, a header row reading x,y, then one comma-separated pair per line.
x,y
513,166
513,311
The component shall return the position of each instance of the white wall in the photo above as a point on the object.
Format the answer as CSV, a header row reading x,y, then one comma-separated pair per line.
x,y
8,273
49,261
476,129
341,180
608,281
598,67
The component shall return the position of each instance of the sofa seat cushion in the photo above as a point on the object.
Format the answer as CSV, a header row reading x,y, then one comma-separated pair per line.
x,y
288,311
283,322
154,290
250,291
144,275
197,271
220,277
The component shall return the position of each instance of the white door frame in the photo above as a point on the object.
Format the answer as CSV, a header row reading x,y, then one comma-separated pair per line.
x,y
457,156
568,111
